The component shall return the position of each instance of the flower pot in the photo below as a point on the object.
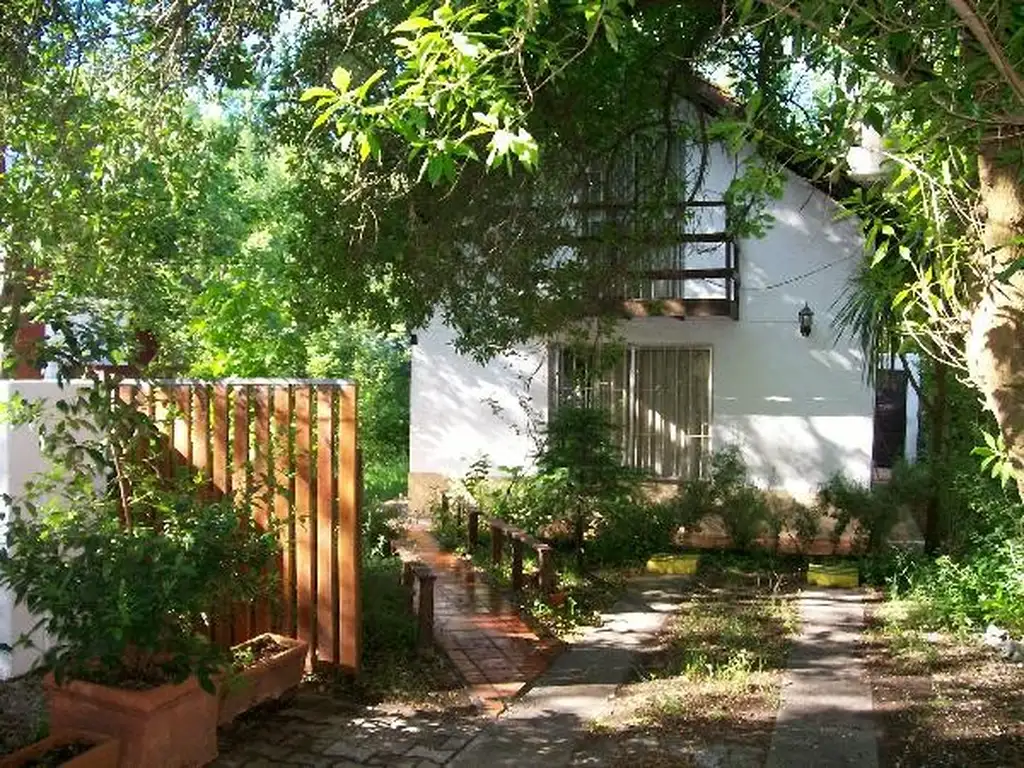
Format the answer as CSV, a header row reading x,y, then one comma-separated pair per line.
x,y
683,565
269,678
103,752
170,726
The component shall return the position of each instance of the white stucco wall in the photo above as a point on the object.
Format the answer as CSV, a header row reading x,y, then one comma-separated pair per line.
x,y
798,408
20,459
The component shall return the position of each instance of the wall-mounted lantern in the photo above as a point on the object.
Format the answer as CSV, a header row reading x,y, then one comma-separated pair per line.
x,y
806,318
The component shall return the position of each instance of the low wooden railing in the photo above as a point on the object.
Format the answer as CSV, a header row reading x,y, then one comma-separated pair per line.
x,y
502,532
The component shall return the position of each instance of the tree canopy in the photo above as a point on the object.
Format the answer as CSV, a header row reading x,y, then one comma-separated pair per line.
x,y
400,162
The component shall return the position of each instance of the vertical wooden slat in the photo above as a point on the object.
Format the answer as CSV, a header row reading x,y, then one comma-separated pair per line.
x,y
182,399
282,504
221,485
326,575
350,618
305,532
201,430
240,487
261,487
221,475
165,415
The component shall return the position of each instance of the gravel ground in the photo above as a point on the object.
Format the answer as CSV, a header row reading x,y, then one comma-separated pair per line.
x,y
944,701
22,712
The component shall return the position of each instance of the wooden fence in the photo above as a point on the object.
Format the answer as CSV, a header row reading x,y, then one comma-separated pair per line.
x,y
289,448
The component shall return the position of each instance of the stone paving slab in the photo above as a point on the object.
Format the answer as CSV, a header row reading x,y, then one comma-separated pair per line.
x,y
318,730
548,721
826,716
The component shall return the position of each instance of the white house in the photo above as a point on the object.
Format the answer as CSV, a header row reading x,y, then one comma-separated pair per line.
x,y
731,367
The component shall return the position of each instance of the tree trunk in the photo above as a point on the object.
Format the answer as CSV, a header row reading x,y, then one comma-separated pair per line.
x,y
995,344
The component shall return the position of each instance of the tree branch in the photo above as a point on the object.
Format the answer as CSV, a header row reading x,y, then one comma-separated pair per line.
x,y
786,7
992,47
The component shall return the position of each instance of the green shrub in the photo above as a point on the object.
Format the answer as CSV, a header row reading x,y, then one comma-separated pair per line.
x,y
448,523
381,525
632,531
727,491
745,513
875,510
126,574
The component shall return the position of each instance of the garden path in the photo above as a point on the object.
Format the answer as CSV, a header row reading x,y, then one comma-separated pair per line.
x,y
826,718
494,650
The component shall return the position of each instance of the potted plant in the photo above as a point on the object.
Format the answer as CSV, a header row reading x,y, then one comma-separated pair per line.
x,y
126,566
71,749
266,667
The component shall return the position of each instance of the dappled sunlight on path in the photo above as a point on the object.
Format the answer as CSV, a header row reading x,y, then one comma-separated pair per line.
x,y
494,650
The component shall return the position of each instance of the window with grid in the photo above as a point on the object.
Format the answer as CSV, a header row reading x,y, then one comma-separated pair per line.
x,y
658,398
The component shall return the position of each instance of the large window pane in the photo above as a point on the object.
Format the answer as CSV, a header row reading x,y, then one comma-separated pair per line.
x,y
657,397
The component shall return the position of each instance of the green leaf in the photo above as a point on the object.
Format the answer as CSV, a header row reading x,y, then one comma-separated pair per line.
x,y
317,92
363,89
413,24
341,78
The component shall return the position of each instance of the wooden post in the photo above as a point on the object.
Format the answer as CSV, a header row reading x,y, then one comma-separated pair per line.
x,y
517,563
426,609
497,534
409,580
473,528
547,568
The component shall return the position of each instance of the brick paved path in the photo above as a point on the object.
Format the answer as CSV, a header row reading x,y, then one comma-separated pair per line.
x,y
495,652
493,649
317,730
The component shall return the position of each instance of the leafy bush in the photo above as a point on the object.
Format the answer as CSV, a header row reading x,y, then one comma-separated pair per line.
x,y
727,491
126,574
632,531
875,510
536,503
448,523
381,525
745,513
805,523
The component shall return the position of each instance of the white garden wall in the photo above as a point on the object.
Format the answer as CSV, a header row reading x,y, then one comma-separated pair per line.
x,y
20,459
798,408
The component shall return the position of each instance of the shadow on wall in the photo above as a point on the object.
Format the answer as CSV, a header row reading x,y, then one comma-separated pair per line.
x,y
461,410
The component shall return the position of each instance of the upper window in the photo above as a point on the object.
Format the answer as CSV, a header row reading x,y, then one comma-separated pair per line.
x,y
658,398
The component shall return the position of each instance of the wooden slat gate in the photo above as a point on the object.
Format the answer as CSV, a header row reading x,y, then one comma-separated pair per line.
x,y
289,448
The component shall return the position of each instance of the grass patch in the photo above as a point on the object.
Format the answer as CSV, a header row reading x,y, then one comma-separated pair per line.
x,y
717,674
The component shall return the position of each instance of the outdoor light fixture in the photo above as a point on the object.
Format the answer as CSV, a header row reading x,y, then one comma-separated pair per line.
x,y
806,317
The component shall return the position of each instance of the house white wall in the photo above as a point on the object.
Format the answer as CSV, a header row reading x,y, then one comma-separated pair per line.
x,y
798,408
20,459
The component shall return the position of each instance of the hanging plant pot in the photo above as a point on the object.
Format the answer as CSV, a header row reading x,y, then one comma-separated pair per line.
x,y
170,726
267,667
70,749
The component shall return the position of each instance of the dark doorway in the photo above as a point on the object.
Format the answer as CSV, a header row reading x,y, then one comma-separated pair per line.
x,y
890,418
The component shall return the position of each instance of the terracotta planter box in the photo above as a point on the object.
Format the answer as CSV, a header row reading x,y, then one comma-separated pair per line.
x,y
172,726
267,679
103,754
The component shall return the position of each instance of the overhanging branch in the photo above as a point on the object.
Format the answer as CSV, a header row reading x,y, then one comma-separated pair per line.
x,y
992,47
